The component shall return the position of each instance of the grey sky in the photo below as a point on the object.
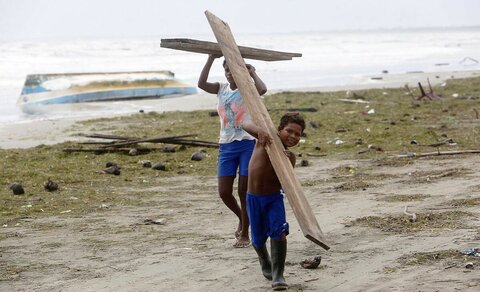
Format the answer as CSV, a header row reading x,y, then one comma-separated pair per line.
x,y
65,19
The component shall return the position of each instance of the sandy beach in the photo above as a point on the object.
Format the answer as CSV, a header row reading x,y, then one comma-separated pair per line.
x,y
51,131
359,203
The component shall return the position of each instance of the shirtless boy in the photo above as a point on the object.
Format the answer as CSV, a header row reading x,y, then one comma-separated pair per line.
x,y
265,201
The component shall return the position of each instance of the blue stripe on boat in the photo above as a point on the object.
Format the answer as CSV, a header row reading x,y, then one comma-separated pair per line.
x,y
136,93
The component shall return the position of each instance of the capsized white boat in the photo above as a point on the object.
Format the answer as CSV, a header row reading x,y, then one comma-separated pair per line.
x,y
44,89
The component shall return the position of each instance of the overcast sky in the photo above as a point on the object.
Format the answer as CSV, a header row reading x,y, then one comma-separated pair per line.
x,y
73,19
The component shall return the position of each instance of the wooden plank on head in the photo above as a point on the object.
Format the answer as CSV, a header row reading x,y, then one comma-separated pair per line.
x,y
204,47
284,170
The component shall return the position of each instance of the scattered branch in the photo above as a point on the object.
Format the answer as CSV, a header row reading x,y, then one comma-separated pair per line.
x,y
119,145
412,154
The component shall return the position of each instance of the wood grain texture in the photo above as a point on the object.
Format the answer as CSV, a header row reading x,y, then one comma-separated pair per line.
x,y
205,47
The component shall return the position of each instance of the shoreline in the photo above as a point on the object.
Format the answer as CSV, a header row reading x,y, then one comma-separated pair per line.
x,y
53,130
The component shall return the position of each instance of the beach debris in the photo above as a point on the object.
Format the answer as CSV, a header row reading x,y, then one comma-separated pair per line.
x,y
442,64
314,124
141,111
413,215
213,114
438,153
409,91
104,206
384,71
197,156
133,152
376,78
370,148
304,162
371,111
375,147
431,95
469,266
17,189
109,164
296,109
356,95
473,251
353,100
448,142
66,211
476,113
338,142
120,142
311,263
303,109
50,185
159,166
169,149
468,61
112,169
316,154
160,221
146,163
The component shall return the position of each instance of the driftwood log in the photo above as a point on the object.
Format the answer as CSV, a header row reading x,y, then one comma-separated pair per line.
x,y
413,154
120,143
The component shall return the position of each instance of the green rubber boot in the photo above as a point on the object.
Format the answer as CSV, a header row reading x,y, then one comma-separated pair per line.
x,y
279,254
265,263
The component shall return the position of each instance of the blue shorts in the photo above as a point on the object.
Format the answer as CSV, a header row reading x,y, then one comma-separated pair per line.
x,y
235,155
267,217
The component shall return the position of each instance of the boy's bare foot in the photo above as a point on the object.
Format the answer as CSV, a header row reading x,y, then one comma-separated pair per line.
x,y
241,242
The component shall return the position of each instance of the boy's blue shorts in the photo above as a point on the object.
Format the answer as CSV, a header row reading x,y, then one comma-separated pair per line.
x,y
267,217
235,155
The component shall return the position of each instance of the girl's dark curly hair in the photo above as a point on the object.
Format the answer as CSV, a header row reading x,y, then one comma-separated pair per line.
x,y
293,117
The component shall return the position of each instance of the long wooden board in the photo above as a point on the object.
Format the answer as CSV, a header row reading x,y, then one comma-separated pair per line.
x,y
290,183
213,48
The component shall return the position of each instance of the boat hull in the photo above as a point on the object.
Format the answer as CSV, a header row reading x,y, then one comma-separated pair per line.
x,y
92,87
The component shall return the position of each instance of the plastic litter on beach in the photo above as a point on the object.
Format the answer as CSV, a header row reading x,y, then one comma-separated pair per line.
x,y
471,251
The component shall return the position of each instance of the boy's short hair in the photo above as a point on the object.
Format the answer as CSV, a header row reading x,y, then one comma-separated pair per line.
x,y
292,117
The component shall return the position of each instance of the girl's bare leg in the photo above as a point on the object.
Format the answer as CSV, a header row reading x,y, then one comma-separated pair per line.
x,y
225,190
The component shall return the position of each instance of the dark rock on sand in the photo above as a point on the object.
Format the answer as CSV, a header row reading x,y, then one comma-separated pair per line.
x,y
115,170
159,166
110,164
311,263
169,149
50,185
17,189
198,156
304,162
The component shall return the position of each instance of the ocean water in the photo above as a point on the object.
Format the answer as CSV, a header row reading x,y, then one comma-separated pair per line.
x,y
329,59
